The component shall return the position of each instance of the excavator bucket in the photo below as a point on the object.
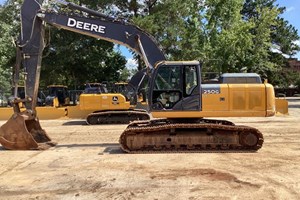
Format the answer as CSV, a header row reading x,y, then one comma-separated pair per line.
x,y
22,133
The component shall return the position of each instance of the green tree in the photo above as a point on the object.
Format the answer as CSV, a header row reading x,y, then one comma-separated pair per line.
x,y
273,41
69,58
8,28
228,36
72,59
177,27
4,58
283,34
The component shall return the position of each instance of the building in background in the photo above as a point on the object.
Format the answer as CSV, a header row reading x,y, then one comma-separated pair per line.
x,y
294,63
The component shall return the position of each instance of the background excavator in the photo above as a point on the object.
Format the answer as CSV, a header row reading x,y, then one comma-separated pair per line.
x,y
57,96
175,92
111,107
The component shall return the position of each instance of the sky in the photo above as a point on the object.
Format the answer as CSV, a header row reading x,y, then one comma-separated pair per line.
x,y
292,14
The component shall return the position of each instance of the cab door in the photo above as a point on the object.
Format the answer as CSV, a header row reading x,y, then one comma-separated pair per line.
x,y
176,86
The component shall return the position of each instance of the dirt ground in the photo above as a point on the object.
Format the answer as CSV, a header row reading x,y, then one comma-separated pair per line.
x,y
88,163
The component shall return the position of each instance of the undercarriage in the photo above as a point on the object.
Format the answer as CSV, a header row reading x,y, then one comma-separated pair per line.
x,y
164,135
117,117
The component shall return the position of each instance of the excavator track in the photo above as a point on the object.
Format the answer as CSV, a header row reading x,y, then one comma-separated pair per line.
x,y
164,136
117,117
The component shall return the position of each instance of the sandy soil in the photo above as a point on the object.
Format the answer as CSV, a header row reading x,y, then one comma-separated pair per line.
x,y
87,163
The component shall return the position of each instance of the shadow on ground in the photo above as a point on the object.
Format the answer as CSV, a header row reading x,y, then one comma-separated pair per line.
x,y
110,148
294,106
74,123
83,123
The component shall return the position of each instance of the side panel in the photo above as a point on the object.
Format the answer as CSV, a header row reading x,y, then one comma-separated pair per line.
x,y
97,102
215,97
247,97
230,100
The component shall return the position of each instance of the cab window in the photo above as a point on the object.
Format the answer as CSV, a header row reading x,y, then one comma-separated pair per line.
x,y
168,78
191,80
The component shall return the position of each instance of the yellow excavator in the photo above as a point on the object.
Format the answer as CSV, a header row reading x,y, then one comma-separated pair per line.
x,y
177,99
113,107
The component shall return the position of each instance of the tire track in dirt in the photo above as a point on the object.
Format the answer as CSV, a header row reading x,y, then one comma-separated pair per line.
x,y
207,174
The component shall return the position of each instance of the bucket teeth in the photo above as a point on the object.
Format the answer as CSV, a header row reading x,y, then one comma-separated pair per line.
x,y
23,133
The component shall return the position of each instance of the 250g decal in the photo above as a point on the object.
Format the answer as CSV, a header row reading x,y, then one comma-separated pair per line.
x,y
211,91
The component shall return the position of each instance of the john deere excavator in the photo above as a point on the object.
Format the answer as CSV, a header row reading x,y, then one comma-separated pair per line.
x,y
176,96
111,107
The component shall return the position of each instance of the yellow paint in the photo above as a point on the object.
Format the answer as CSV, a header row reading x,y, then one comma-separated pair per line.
x,y
6,113
42,112
55,102
281,106
103,102
48,112
89,103
74,112
234,100
198,114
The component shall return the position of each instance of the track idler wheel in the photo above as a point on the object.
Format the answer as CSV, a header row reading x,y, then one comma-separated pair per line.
x,y
21,132
251,140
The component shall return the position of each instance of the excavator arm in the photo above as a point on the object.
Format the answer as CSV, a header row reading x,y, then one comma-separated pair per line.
x,y
23,130
117,32
97,25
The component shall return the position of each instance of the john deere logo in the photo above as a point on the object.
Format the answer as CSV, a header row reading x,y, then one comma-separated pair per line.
x,y
115,98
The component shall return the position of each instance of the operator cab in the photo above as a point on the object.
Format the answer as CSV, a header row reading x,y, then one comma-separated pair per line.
x,y
176,86
57,91
95,88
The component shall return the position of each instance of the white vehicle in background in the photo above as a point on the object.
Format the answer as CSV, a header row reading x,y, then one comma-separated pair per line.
x,y
3,100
